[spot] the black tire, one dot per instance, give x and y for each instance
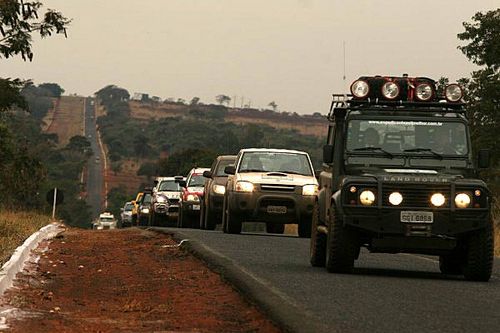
(210, 219)
(275, 228)
(154, 219)
(181, 223)
(201, 222)
(233, 222)
(304, 228)
(479, 257)
(451, 264)
(317, 253)
(342, 246)
(224, 215)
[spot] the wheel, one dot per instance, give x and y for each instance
(210, 221)
(233, 222)
(342, 246)
(153, 220)
(224, 215)
(317, 253)
(451, 264)
(180, 219)
(134, 220)
(479, 255)
(305, 228)
(274, 228)
(201, 223)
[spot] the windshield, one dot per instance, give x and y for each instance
(275, 162)
(196, 180)
(128, 206)
(107, 219)
(220, 168)
(146, 199)
(169, 185)
(407, 137)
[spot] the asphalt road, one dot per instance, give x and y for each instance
(94, 175)
(386, 293)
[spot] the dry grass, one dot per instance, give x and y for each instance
(15, 228)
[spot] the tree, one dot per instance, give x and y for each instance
(483, 88)
(195, 101)
(223, 99)
(54, 88)
(273, 105)
(10, 94)
(79, 143)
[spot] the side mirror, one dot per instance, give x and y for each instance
(483, 158)
(182, 183)
(155, 182)
(121, 210)
(207, 174)
(230, 170)
(328, 154)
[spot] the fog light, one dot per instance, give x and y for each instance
(395, 198)
(477, 193)
(367, 198)
(462, 200)
(390, 90)
(353, 189)
(437, 199)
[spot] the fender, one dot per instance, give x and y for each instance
(336, 202)
(322, 202)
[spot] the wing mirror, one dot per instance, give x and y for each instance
(207, 174)
(230, 170)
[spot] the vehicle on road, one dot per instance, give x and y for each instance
(105, 221)
(191, 192)
(213, 196)
(399, 175)
(135, 209)
(126, 215)
(165, 200)
(275, 186)
(144, 210)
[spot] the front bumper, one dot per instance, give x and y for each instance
(216, 203)
(191, 207)
(255, 206)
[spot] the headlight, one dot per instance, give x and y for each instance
(390, 90)
(145, 210)
(243, 186)
(219, 189)
(161, 199)
(360, 89)
(462, 200)
(437, 199)
(453, 93)
(192, 197)
(367, 198)
(310, 190)
(424, 92)
(395, 198)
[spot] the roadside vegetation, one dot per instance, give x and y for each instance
(15, 227)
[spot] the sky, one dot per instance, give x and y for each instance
(287, 51)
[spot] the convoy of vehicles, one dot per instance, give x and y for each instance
(190, 202)
(399, 175)
(275, 186)
(215, 187)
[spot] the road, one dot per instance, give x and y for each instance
(386, 293)
(94, 179)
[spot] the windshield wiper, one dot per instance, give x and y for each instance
(252, 170)
(375, 149)
(418, 150)
(277, 173)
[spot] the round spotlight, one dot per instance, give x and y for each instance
(367, 198)
(462, 200)
(395, 198)
(424, 92)
(390, 90)
(453, 92)
(353, 189)
(360, 89)
(437, 199)
(477, 193)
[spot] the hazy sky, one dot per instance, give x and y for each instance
(289, 51)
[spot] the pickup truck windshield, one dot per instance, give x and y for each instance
(437, 138)
(196, 181)
(169, 185)
(275, 162)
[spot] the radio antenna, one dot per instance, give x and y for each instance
(343, 42)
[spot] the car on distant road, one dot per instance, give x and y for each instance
(275, 186)
(190, 202)
(105, 221)
(165, 200)
(215, 187)
(126, 214)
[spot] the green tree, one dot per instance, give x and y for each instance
(55, 89)
(223, 99)
(273, 105)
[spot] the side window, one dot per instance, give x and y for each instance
(214, 166)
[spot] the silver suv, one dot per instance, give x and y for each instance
(165, 201)
(275, 186)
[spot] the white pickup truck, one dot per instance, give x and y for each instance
(105, 221)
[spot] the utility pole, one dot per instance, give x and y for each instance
(54, 204)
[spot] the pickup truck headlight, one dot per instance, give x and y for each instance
(438, 199)
(192, 197)
(161, 199)
(243, 186)
(145, 210)
(219, 189)
(367, 198)
(310, 189)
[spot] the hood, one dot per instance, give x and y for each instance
(273, 178)
(170, 194)
(196, 190)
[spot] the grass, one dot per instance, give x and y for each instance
(15, 227)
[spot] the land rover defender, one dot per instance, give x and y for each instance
(399, 175)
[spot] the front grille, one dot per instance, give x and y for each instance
(277, 202)
(416, 195)
(277, 187)
(174, 201)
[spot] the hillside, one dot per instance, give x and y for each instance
(65, 119)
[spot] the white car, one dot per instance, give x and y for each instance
(165, 201)
(105, 221)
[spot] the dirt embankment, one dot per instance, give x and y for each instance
(66, 119)
(126, 177)
(126, 281)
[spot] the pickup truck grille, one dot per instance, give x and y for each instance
(416, 195)
(277, 187)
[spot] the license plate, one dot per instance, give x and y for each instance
(196, 207)
(417, 217)
(276, 209)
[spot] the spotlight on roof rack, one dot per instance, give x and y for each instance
(453, 93)
(360, 89)
(390, 90)
(424, 92)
